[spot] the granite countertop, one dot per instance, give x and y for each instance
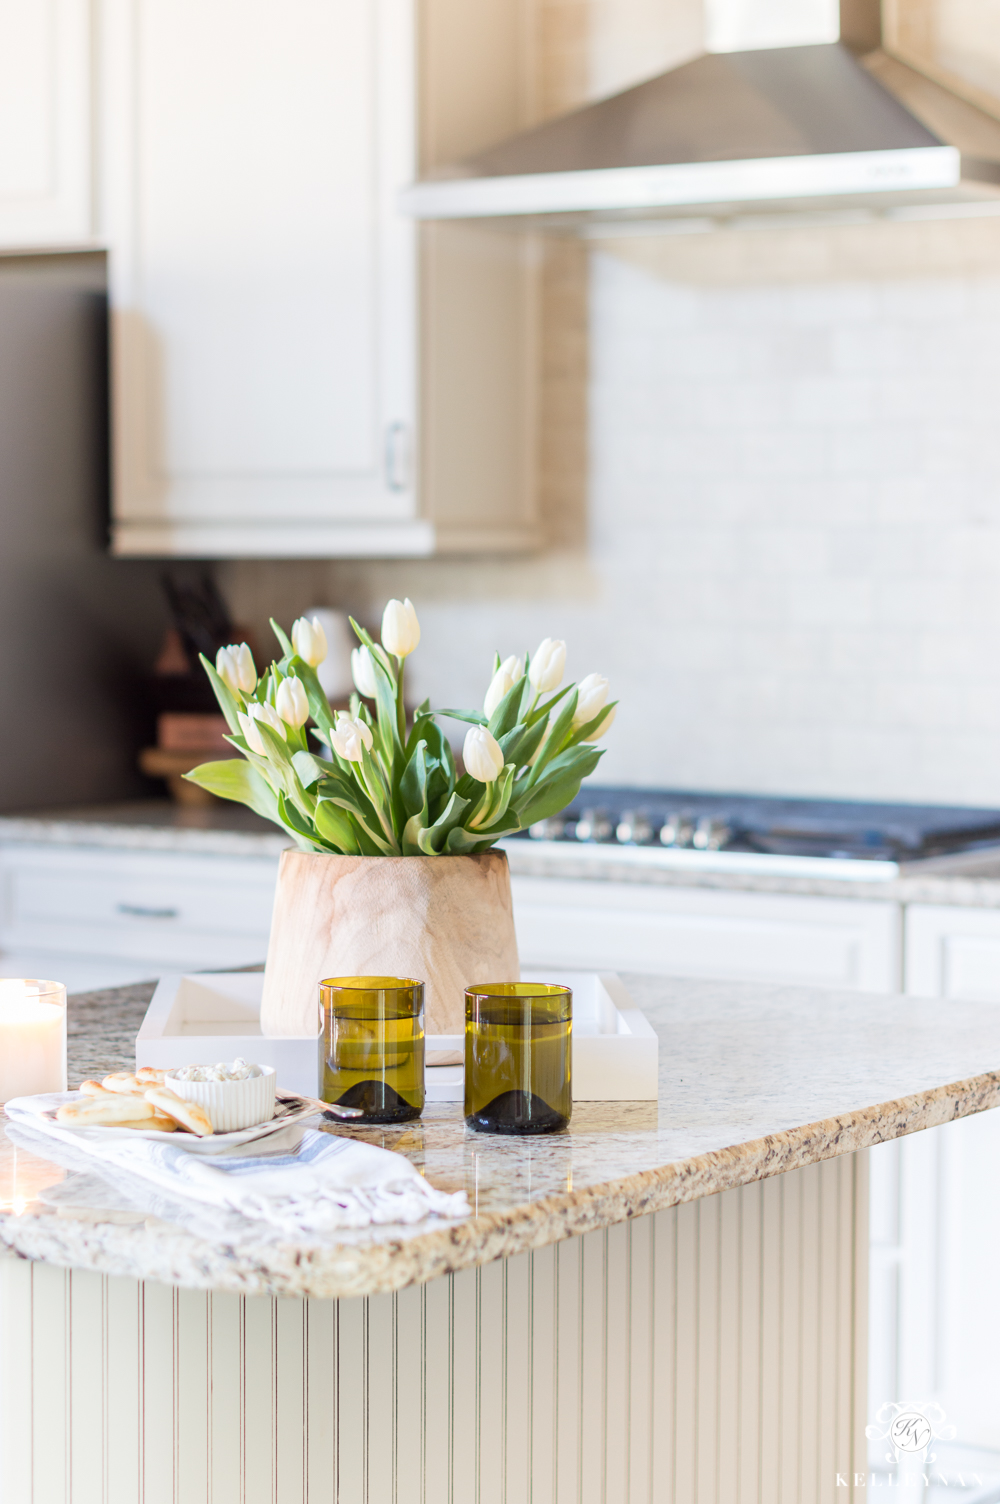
(754, 1080)
(151, 825)
(230, 830)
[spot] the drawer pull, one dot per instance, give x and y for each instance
(139, 911)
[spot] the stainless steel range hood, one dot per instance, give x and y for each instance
(828, 127)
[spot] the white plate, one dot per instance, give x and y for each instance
(288, 1108)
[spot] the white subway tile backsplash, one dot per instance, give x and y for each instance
(825, 525)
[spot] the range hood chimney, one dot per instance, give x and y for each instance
(835, 126)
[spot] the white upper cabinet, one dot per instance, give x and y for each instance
(45, 135)
(263, 284)
(297, 371)
(267, 293)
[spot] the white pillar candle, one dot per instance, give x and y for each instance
(32, 1038)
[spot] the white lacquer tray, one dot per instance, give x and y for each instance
(203, 1017)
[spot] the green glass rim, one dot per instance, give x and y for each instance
(519, 990)
(371, 984)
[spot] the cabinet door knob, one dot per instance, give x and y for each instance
(397, 456)
(140, 911)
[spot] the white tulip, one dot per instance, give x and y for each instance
(251, 735)
(309, 640)
(482, 755)
(500, 684)
(363, 672)
(292, 702)
(595, 736)
(351, 738)
(235, 667)
(514, 667)
(400, 628)
(507, 675)
(248, 725)
(547, 665)
(591, 696)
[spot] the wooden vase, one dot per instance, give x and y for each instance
(445, 920)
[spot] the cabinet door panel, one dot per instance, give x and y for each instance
(953, 952)
(262, 280)
(45, 139)
(947, 1253)
(257, 231)
(710, 933)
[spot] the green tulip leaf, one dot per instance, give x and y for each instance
(413, 784)
(235, 779)
(560, 729)
(334, 825)
(309, 768)
(227, 700)
(475, 717)
(508, 712)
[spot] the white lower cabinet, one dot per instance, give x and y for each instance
(113, 915)
(948, 1299)
(708, 932)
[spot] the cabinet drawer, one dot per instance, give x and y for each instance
(135, 904)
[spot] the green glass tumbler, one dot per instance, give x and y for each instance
(373, 1056)
(518, 1055)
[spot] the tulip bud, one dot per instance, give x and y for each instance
(248, 725)
(591, 695)
(499, 686)
(507, 675)
(400, 628)
(251, 735)
(292, 702)
(235, 667)
(547, 665)
(482, 755)
(351, 738)
(605, 724)
(309, 640)
(363, 672)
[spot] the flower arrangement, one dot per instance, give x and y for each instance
(381, 787)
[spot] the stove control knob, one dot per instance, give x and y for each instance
(710, 835)
(552, 829)
(676, 830)
(634, 829)
(594, 825)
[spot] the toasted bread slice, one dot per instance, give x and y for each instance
(124, 1081)
(188, 1114)
(110, 1107)
(159, 1121)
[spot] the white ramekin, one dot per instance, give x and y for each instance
(231, 1105)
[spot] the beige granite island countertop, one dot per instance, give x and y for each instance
(754, 1080)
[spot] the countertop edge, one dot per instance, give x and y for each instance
(152, 1253)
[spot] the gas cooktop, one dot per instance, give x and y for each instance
(741, 825)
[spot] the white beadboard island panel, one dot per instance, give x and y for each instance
(712, 1353)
